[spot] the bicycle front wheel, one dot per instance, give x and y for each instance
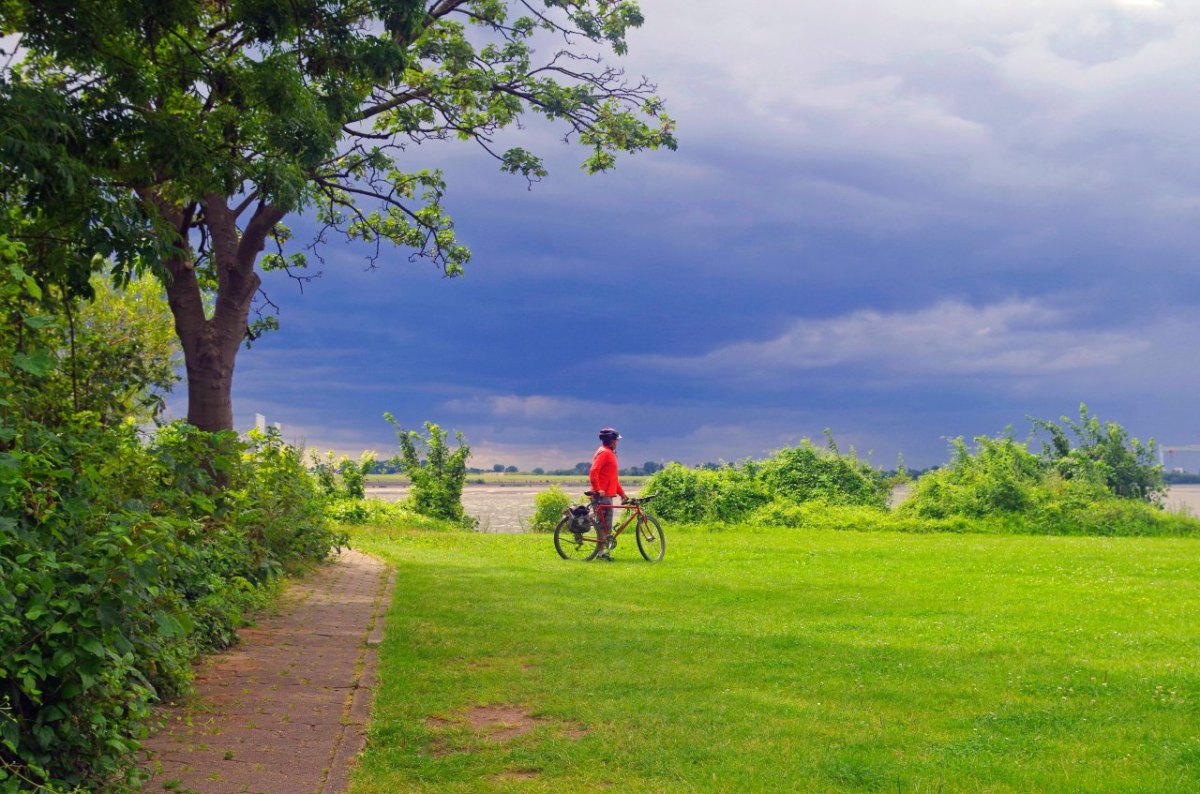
(651, 542)
(576, 545)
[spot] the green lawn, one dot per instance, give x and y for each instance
(792, 661)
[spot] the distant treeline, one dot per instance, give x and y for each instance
(393, 466)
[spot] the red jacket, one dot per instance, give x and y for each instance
(604, 472)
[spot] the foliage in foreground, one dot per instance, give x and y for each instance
(119, 563)
(120, 558)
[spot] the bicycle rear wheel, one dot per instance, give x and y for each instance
(651, 542)
(576, 545)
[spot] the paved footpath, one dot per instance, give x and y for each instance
(286, 710)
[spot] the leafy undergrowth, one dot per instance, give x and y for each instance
(348, 513)
(790, 660)
(1098, 516)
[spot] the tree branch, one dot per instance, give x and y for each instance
(240, 208)
(395, 102)
(445, 7)
(265, 217)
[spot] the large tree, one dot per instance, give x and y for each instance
(176, 135)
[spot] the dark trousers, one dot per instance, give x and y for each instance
(606, 516)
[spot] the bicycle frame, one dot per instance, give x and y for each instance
(635, 507)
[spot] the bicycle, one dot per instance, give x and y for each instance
(577, 536)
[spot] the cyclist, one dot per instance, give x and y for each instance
(605, 485)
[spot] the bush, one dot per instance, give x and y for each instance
(345, 478)
(799, 474)
(280, 504)
(726, 494)
(1104, 453)
(119, 560)
(119, 563)
(794, 475)
(437, 477)
(548, 507)
(85, 619)
(1002, 487)
(1107, 517)
(999, 477)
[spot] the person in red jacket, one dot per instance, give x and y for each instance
(605, 485)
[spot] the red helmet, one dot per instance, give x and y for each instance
(609, 434)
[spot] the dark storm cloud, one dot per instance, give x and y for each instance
(903, 221)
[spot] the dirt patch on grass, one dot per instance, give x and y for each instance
(516, 774)
(574, 730)
(494, 723)
(501, 723)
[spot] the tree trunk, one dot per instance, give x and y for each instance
(210, 345)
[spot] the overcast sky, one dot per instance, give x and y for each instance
(902, 221)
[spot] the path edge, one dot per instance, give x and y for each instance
(356, 714)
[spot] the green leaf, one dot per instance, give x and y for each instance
(32, 288)
(40, 321)
(38, 363)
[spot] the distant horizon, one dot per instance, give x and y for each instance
(1163, 457)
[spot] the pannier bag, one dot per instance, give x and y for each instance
(580, 522)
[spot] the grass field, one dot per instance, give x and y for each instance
(790, 661)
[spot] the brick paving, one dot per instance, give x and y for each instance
(285, 712)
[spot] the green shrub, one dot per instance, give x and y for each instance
(728, 494)
(438, 475)
(793, 475)
(1104, 453)
(119, 560)
(86, 622)
(280, 504)
(548, 507)
(803, 473)
(344, 479)
(1001, 475)
(354, 474)
(1002, 487)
